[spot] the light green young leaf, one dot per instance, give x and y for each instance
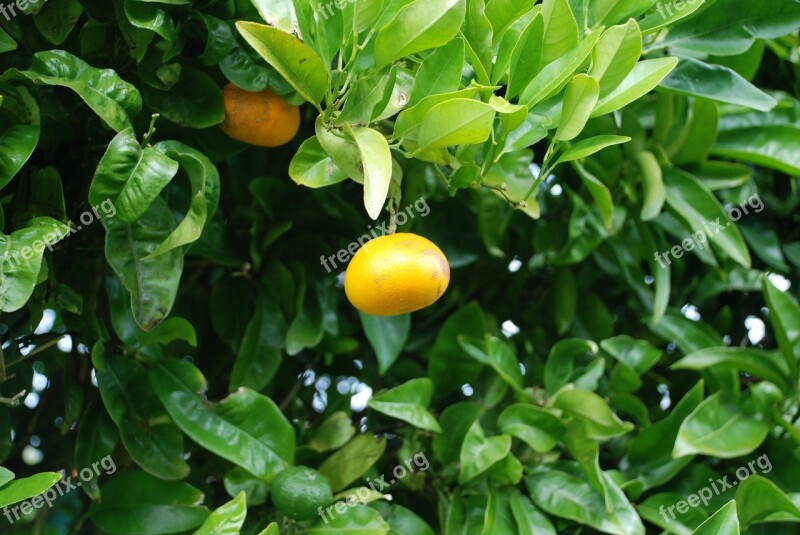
(376, 160)
(579, 101)
(418, 26)
(615, 55)
(526, 58)
(760, 500)
(723, 522)
(654, 192)
(458, 121)
(227, 519)
(440, 72)
(560, 29)
(353, 460)
(503, 13)
(408, 402)
(312, 167)
(644, 77)
(22, 489)
(479, 452)
(587, 147)
(296, 62)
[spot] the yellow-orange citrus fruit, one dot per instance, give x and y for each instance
(396, 274)
(264, 119)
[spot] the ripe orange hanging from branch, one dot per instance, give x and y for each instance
(396, 274)
(264, 119)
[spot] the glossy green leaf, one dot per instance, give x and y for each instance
(719, 428)
(387, 336)
(131, 177)
(526, 57)
(246, 428)
(440, 72)
(57, 18)
(22, 489)
(776, 147)
(615, 55)
(496, 354)
(333, 433)
(359, 519)
(408, 402)
(643, 78)
(715, 82)
(21, 260)
(458, 121)
(17, 144)
(418, 26)
(560, 29)
(479, 452)
(502, 13)
(296, 62)
(586, 147)
(376, 160)
(227, 519)
(723, 522)
(760, 500)
(579, 101)
(762, 364)
(529, 519)
(536, 427)
(133, 405)
(600, 422)
(312, 167)
(113, 99)
(136, 502)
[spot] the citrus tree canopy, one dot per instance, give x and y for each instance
(399, 267)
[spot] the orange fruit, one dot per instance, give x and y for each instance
(396, 274)
(264, 119)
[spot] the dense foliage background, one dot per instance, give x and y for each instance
(571, 380)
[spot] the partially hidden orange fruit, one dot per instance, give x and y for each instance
(396, 274)
(264, 119)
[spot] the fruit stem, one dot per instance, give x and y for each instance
(151, 130)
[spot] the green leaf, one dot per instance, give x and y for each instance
(599, 192)
(376, 159)
(586, 147)
(695, 204)
(259, 356)
(152, 282)
(668, 14)
(702, 133)
(227, 519)
(496, 354)
(151, 16)
(775, 147)
(367, 98)
(130, 177)
(719, 428)
(418, 26)
(760, 500)
(278, 13)
(7, 43)
(715, 82)
(725, 30)
(111, 98)
(785, 320)
(333, 433)
(440, 72)
(352, 461)
(455, 421)
(296, 62)
(526, 57)
(579, 101)
(616, 55)
(611, 11)
(600, 422)
(408, 402)
(564, 495)
(479, 452)
(446, 365)
(560, 29)
(22, 489)
(723, 522)
(552, 78)
(538, 428)
(57, 18)
(458, 121)
(412, 118)
(21, 260)
(136, 502)
(246, 428)
(643, 78)
(503, 13)
(387, 335)
(204, 182)
(529, 519)
(312, 167)
(306, 329)
(763, 364)
(17, 144)
(97, 438)
(358, 520)
(132, 404)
